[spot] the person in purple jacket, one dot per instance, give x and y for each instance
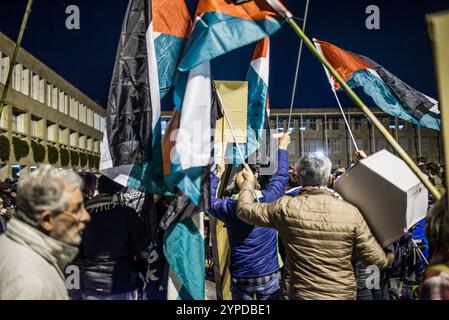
(254, 255)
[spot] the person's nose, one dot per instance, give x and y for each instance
(85, 216)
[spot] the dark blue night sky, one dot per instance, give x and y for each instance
(85, 57)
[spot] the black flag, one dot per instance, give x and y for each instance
(129, 112)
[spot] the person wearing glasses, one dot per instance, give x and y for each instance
(42, 238)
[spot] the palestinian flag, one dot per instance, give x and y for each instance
(388, 92)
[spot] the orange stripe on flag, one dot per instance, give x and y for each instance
(253, 10)
(169, 141)
(343, 61)
(261, 49)
(171, 17)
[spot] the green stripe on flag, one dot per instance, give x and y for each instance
(184, 250)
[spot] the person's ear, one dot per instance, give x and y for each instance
(45, 221)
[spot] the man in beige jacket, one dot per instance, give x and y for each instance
(44, 236)
(321, 232)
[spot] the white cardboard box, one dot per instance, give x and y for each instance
(389, 195)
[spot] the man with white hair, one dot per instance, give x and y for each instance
(321, 233)
(43, 237)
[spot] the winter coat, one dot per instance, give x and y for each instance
(321, 233)
(32, 264)
(113, 249)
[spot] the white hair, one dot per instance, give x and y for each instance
(314, 170)
(45, 189)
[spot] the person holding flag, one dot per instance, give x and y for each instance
(254, 257)
(322, 233)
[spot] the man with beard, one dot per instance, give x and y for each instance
(43, 237)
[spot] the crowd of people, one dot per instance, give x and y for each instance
(60, 218)
(292, 237)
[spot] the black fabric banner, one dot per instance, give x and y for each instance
(129, 112)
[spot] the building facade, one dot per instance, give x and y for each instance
(45, 114)
(324, 130)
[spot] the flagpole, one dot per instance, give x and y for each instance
(297, 66)
(222, 141)
(437, 27)
(346, 121)
(14, 55)
(394, 144)
(242, 158)
(332, 84)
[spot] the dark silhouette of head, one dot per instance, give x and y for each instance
(108, 186)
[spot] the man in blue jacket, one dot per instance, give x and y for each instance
(254, 255)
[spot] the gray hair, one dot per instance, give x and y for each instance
(44, 189)
(313, 170)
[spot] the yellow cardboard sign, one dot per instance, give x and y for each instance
(438, 27)
(234, 96)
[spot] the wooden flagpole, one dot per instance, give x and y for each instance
(438, 27)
